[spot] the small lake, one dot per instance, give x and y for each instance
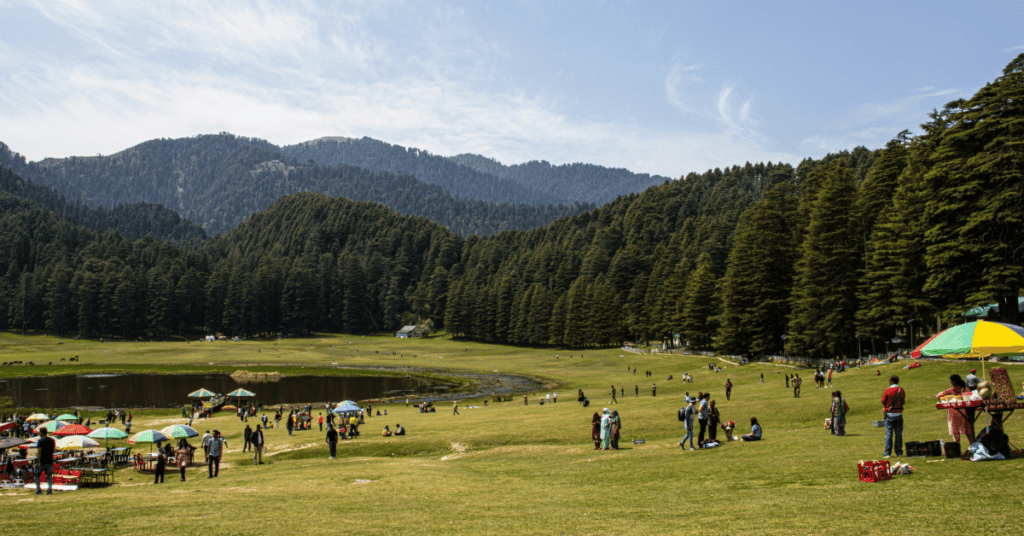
(171, 390)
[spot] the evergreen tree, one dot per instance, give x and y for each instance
(697, 323)
(824, 294)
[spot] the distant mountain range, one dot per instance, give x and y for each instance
(217, 181)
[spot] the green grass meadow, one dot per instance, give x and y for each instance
(514, 469)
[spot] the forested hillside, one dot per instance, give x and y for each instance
(856, 247)
(220, 180)
(462, 181)
(134, 220)
(581, 182)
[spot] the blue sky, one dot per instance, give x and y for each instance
(657, 87)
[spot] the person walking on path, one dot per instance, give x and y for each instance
(839, 410)
(796, 381)
(217, 444)
(688, 423)
(892, 400)
(181, 456)
(258, 441)
(247, 435)
(332, 440)
(606, 429)
(44, 461)
(728, 389)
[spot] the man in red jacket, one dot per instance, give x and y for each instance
(893, 400)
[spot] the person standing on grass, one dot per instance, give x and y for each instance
(702, 417)
(796, 381)
(688, 423)
(290, 424)
(839, 410)
(320, 419)
(161, 465)
(713, 419)
(972, 385)
(247, 435)
(762, 378)
(554, 399)
(654, 389)
(892, 400)
(44, 461)
(636, 391)
(616, 428)
(595, 430)
(456, 411)
(217, 444)
(258, 440)
(579, 397)
(614, 401)
(728, 388)
(181, 456)
(606, 429)
(787, 380)
(332, 440)
(830, 377)
(955, 420)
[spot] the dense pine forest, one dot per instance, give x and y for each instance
(858, 245)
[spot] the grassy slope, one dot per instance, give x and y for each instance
(532, 470)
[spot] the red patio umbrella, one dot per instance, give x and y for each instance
(72, 429)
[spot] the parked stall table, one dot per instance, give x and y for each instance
(999, 410)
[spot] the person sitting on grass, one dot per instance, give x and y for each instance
(399, 430)
(386, 432)
(755, 431)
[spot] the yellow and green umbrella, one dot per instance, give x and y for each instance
(38, 417)
(76, 442)
(51, 426)
(107, 433)
(67, 417)
(179, 431)
(974, 340)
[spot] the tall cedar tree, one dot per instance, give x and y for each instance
(975, 208)
(824, 297)
(759, 278)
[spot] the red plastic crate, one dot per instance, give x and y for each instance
(874, 471)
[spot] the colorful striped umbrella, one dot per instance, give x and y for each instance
(51, 426)
(148, 436)
(67, 417)
(241, 393)
(201, 393)
(76, 442)
(974, 340)
(178, 431)
(72, 429)
(107, 433)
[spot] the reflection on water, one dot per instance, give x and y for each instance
(171, 390)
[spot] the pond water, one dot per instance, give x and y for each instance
(171, 390)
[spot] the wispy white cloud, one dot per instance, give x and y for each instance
(677, 77)
(1013, 49)
(132, 71)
